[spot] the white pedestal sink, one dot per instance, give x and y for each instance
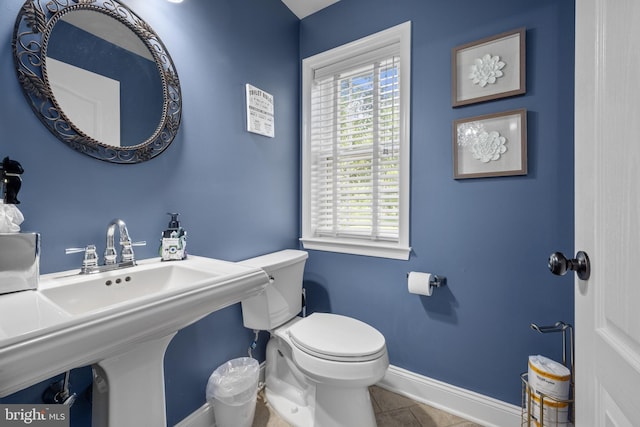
(121, 322)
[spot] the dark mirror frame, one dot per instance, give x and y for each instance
(32, 30)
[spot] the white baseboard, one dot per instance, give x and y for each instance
(201, 417)
(470, 405)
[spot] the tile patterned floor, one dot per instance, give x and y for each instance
(392, 410)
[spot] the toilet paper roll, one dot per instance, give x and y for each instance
(555, 413)
(418, 283)
(549, 377)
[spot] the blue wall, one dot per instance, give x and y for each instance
(237, 192)
(490, 237)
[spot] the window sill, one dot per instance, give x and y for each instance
(358, 247)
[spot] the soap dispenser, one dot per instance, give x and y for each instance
(174, 241)
(10, 181)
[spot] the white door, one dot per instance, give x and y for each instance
(607, 212)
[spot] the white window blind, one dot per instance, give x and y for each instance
(355, 157)
(355, 150)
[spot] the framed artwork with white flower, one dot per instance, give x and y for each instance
(490, 145)
(488, 69)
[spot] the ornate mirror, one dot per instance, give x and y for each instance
(98, 77)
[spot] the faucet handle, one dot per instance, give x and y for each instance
(90, 255)
(127, 250)
(110, 255)
(74, 250)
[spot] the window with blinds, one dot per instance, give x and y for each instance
(355, 154)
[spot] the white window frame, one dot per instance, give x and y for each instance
(399, 35)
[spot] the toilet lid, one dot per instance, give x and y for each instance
(336, 337)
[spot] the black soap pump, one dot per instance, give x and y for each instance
(10, 171)
(173, 245)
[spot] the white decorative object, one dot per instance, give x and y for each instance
(486, 70)
(488, 146)
(468, 133)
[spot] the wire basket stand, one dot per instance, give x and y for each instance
(539, 409)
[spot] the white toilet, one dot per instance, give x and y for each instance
(319, 367)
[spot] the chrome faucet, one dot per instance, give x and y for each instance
(110, 253)
(111, 262)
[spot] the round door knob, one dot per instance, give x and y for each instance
(559, 264)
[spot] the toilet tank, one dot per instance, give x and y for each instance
(282, 298)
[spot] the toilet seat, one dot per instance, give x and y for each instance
(338, 338)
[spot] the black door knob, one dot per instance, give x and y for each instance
(559, 264)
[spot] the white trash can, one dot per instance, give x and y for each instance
(232, 391)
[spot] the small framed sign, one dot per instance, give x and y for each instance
(260, 117)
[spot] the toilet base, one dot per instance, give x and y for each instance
(331, 410)
(291, 412)
(357, 412)
(304, 402)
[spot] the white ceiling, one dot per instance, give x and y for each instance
(303, 8)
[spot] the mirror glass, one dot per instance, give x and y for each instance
(98, 77)
(104, 78)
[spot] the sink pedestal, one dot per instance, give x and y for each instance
(128, 388)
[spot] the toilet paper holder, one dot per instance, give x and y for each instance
(543, 410)
(436, 281)
(562, 327)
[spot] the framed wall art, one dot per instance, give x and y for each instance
(490, 145)
(488, 69)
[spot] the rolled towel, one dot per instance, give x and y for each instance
(10, 218)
